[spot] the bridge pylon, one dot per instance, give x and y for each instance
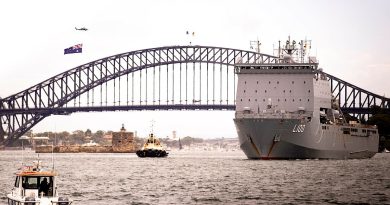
(2, 134)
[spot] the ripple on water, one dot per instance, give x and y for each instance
(205, 199)
(211, 178)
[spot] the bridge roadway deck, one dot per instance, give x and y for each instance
(69, 110)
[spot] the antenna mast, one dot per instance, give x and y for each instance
(52, 155)
(152, 121)
(255, 45)
(22, 154)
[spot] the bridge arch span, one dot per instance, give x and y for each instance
(21, 111)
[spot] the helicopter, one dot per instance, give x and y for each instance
(81, 29)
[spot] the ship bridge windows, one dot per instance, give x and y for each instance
(42, 183)
(346, 130)
(371, 131)
(17, 181)
(30, 182)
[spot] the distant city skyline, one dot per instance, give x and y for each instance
(350, 39)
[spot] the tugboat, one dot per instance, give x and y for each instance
(152, 148)
(35, 185)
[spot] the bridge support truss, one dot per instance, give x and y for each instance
(164, 78)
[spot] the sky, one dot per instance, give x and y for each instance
(350, 39)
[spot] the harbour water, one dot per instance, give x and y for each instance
(208, 177)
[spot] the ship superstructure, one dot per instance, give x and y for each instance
(285, 110)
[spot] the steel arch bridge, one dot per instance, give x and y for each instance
(163, 78)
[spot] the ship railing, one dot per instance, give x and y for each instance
(358, 125)
(278, 66)
(276, 115)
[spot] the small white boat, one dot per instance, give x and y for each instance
(35, 185)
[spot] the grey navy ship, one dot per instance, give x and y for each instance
(285, 110)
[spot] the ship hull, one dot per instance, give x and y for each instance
(151, 153)
(265, 138)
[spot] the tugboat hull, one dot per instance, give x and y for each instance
(152, 153)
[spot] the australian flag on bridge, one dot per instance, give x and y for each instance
(74, 49)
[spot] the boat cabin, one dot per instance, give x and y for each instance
(35, 186)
